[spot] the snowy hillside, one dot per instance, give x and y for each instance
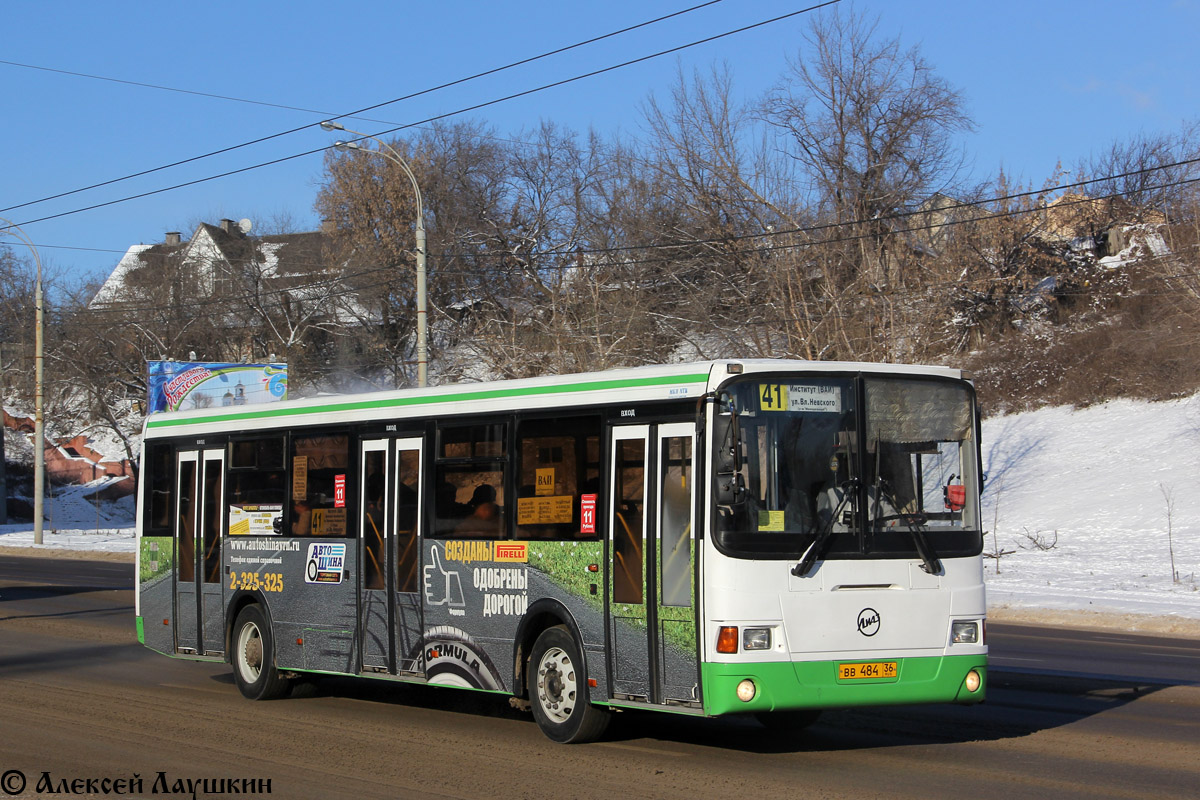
(1098, 478)
(1089, 484)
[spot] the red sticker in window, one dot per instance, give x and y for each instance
(339, 491)
(587, 513)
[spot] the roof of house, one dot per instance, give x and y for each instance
(285, 257)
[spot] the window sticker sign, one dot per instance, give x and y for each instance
(339, 491)
(545, 482)
(255, 519)
(326, 563)
(299, 477)
(803, 398)
(544, 510)
(587, 513)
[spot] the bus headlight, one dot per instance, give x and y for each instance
(746, 690)
(756, 639)
(964, 633)
(972, 682)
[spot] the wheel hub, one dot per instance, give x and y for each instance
(556, 685)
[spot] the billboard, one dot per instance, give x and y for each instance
(186, 385)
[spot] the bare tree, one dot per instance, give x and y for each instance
(873, 129)
(1148, 173)
(370, 205)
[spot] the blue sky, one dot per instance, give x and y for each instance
(1044, 81)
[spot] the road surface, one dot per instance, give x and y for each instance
(1069, 714)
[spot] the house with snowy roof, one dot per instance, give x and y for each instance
(294, 275)
(214, 258)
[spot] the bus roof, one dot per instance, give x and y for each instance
(629, 385)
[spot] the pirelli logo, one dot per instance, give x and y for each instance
(471, 551)
(512, 551)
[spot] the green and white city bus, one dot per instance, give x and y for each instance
(728, 537)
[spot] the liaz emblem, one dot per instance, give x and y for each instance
(868, 622)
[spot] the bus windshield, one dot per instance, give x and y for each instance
(876, 465)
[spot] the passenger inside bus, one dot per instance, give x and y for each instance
(301, 517)
(484, 517)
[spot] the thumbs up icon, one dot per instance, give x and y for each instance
(442, 588)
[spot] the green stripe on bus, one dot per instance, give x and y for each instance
(141, 631)
(267, 412)
(786, 685)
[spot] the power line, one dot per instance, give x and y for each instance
(834, 225)
(626, 263)
(435, 118)
(324, 114)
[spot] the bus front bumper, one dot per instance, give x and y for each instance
(788, 685)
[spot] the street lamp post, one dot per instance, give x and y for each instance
(389, 152)
(39, 432)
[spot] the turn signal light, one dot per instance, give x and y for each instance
(727, 639)
(973, 681)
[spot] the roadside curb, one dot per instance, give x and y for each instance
(44, 551)
(1184, 627)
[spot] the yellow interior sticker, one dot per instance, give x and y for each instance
(770, 520)
(545, 510)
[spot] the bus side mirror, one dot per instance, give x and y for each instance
(731, 489)
(726, 434)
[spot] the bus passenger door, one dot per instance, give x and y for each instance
(629, 625)
(407, 555)
(676, 656)
(390, 518)
(373, 558)
(197, 532)
(652, 620)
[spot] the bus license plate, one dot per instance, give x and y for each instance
(871, 669)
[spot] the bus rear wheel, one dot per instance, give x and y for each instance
(253, 657)
(558, 690)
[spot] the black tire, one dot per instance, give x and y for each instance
(252, 654)
(796, 720)
(304, 687)
(558, 690)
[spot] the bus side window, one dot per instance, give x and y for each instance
(469, 480)
(160, 489)
(320, 466)
(255, 483)
(558, 461)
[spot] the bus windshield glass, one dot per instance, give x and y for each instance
(877, 466)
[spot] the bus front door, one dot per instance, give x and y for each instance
(652, 620)
(390, 511)
(197, 533)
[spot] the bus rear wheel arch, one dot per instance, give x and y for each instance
(253, 656)
(557, 684)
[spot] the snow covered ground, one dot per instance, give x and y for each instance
(1092, 485)
(74, 523)
(1107, 481)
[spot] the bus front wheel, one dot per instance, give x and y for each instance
(558, 690)
(254, 657)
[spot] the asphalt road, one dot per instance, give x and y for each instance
(1069, 714)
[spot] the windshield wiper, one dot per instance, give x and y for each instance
(817, 549)
(929, 557)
